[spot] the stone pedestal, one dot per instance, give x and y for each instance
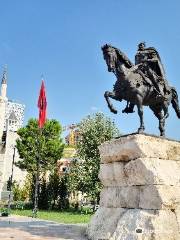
(140, 198)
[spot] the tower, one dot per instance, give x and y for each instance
(11, 119)
(3, 101)
(4, 84)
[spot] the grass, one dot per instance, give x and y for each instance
(57, 216)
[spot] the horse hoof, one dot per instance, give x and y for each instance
(162, 134)
(140, 130)
(114, 111)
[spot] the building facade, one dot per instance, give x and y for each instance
(73, 137)
(11, 119)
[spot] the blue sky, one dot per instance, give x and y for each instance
(63, 39)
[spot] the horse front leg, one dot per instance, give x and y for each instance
(112, 95)
(162, 118)
(140, 113)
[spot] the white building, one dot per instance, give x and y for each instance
(11, 119)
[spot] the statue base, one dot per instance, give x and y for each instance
(140, 198)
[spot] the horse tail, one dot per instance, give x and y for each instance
(175, 101)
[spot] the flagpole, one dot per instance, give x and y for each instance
(37, 177)
(42, 104)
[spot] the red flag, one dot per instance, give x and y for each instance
(42, 104)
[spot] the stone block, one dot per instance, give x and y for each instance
(133, 224)
(106, 174)
(119, 173)
(135, 146)
(141, 171)
(112, 174)
(159, 197)
(146, 197)
(148, 171)
(104, 222)
(120, 197)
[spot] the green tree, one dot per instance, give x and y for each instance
(53, 187)
(33, 144)
(63, 201)
(38, 149)
(58, 191)
(94, 130)
(44, 197)
(22, 193)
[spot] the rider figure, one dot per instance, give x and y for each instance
(150, 64)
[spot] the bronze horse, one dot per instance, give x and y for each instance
(133, 87)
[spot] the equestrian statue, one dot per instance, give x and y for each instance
(142, 84)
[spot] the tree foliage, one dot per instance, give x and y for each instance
(54, 193)
(46, 145)
(94, 130)
(24, 192)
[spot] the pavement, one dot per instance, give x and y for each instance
(26, 228)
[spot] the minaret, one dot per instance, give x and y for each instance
(3, 101)
(4, 85)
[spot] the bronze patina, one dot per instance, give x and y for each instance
(142, 84)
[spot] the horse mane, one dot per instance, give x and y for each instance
(123, 58)
(120, 54)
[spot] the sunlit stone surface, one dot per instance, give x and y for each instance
(141, 194)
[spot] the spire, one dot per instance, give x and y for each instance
(4, 77)
(4, 84)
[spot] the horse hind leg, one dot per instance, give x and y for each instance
(161, 117)
(166, 113)
(112, 95)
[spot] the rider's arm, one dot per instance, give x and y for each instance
(149, 60)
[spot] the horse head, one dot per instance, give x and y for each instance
(110, 56)
(115, 58)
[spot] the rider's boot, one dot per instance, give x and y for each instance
(129, 108)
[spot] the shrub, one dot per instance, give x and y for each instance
(4, 212)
